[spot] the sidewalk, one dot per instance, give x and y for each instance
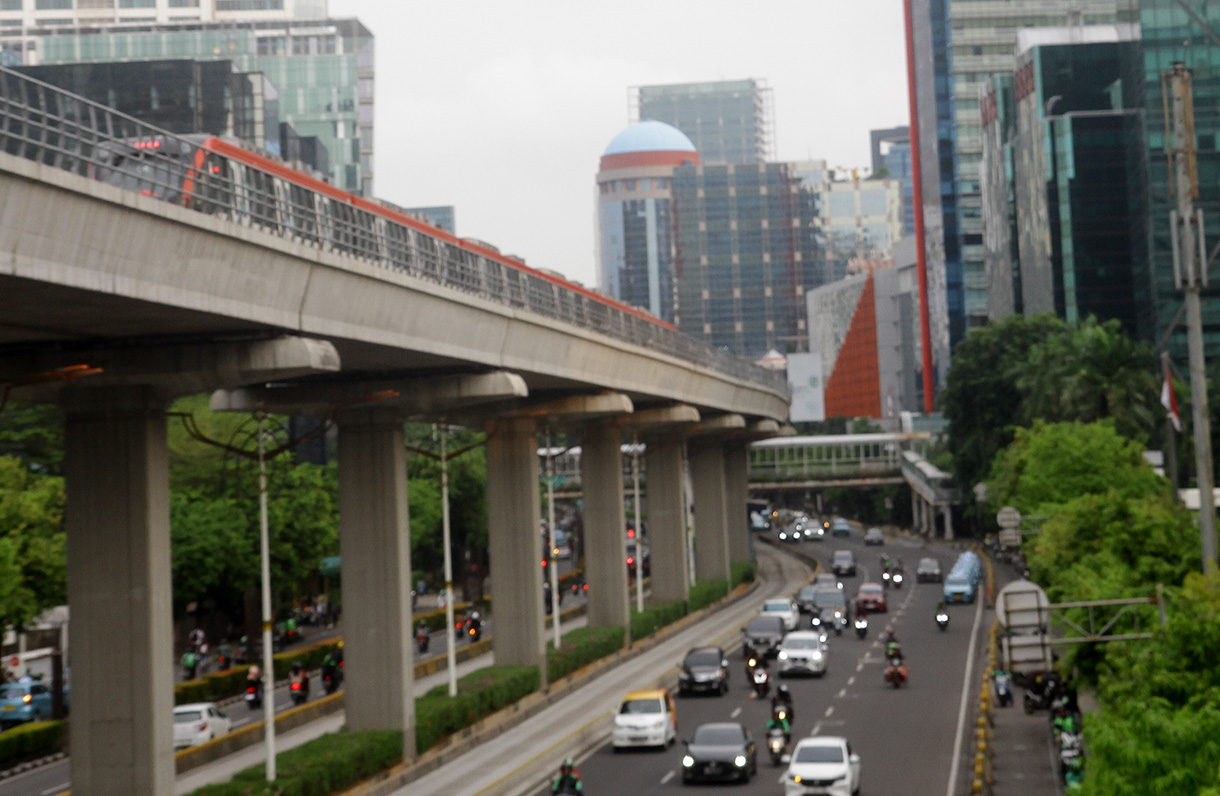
(1024, 762)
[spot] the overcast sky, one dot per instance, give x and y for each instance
(502, 109)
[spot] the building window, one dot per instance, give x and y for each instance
(184, 3)
(249, 5)
(137, 3)
(47, 5)
(10, 5)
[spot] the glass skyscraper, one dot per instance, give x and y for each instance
(322, 68)
(729, 121)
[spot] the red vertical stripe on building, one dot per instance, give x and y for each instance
(854, 386)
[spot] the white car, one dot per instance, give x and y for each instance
(646, 718)
(785, 609)
(823, 764)
(803, 651)
(199, 722)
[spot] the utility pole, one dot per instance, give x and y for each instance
(1190, 275)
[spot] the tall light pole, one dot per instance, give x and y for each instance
(265, 552)
(450, 641)
(1190, 274)
(550, 549)
(639, 535)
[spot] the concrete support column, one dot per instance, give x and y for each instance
(948, 512)
(601, 479)
(915, 523)
(116, 470)
(375, 545)
(711, 528)
(666, 521)
(737, 495)
(514, 543)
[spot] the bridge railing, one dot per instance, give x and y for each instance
(46, 124)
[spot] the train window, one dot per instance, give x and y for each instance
(302, 215)
(398, 245)
(260, 191)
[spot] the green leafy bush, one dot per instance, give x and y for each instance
(33, 739)
(581, 647)
(707, 592)
(480, 693)
(655, 617)
(743, 572)
(320, 767)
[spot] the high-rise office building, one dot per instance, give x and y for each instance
(1067, 127)
(635, 262)
(971, 41)
(729, 121)
(322, 68)
(891, 157)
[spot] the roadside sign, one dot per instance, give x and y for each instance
(1022, 605)
(1008, 517)
(1010, 537)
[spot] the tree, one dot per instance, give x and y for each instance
(33, 561)
(982, 400)
(1053, 463)
(33, 433)
(1093, 373)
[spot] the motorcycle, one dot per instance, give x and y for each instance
(942, 620)
(1003, 689)
(474, 627)
(254, 697)
(299, 689)
(896, 672)
(861, 627)
(896, 579)
(783, 712)
(777, 745)
(762, 682)
(422, 638)
(330, 682)
(885, 579)
(838, 621)
(1069, 751)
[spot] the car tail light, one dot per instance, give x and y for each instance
(201, 726)
(296, 686)
(630, 560)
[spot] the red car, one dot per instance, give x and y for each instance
(872, 597)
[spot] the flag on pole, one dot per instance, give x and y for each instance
(1169, 400)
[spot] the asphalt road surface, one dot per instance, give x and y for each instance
(904, 737)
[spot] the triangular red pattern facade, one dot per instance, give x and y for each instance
(854, 387)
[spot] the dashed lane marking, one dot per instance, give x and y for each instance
(851, 680)
(667, 777)
(842, 693)
(830, 711)
(735, 713)
(860, 666)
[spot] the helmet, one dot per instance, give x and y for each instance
(568, 764)
(296, 666)
(783, 689)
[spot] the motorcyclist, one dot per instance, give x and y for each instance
(782, 698)
(297, 674)
(774, 722)
(330, 670)
(422, 631)
(892, 648)
(254, 677)
(568, 780)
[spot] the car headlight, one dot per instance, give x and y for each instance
(688, 761)
(817, 655)
(796, 777)
(783, 656)
(739, 761)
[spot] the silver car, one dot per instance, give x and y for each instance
(803, 652)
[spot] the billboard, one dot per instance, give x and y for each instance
(805, 379)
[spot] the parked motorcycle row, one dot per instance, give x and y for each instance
(1048, 691)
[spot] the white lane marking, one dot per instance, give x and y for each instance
(842, 693)
(816, 728)
(851, 680)
(667, 777)
(961, 712)
(860, 666)
(830, 711)
(735, 713)
(57, 789)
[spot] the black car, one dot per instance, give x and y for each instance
(804, 599)
(704, 669)
(721, 751)
(830, 610)
(763, 635)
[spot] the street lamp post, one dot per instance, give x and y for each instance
(550, 526)
(639, 534)
(449, 627)
(265, 552)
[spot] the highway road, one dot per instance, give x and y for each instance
(905, 737)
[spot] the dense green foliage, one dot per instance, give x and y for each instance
(1009, 374)
(580, 647)
(654, 617)
(33, 567)
(706, 592)
(480, 693)
(743, 572)
(1110, 529)
(319, 767)
(30, 740)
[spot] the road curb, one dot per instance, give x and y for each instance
(465, 740)
(30, 765)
